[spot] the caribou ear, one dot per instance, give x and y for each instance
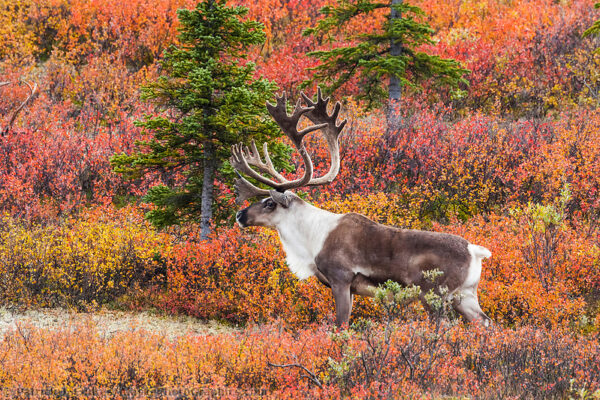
(284, 199)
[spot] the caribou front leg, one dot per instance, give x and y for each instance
(339, 277)
(342, 294)
(343, 303)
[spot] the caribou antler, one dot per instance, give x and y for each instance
(255, 160)
(12, 119)
(319, 115)
(243, 156)
(244, 190)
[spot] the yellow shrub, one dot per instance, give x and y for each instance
(80, 262)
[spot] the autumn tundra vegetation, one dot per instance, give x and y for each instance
(473, 118)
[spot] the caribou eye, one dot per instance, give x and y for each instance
(269, 204)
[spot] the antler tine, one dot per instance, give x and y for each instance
(239, 161)
(255, 160)
(320, 115)
(289, 123)
(244, 190)
(320, 100)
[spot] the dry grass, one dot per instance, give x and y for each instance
(107, 322)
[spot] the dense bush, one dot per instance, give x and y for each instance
(90, 60)
(442, 169)
(82, 262)
(478, 363)
(52, 171)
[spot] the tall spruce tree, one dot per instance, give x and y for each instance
(210, 100)
(385, 61)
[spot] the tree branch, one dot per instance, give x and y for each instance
(310, 375)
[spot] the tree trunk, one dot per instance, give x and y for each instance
(208, 182)
(395, 88)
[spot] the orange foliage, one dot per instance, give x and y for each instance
(81, 361)
(572, 156)
(519, 52)
(517, 290)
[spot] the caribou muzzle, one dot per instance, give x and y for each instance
(242, 218)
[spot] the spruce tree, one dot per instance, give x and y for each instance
(384, 61)
(595, 28)
(210, 100)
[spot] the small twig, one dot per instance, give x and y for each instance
(311, 376)
(5, 130)
(32, 90)
(408, 363)
(592, 91)
(25, 339)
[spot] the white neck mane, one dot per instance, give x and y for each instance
(303, 232)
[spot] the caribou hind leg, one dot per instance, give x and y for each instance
(468, 307)
(467, 304)
(363, 286)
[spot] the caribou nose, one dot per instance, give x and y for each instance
(241, 218)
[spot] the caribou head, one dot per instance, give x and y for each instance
(280, 200)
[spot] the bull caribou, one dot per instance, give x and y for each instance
(347, 252)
